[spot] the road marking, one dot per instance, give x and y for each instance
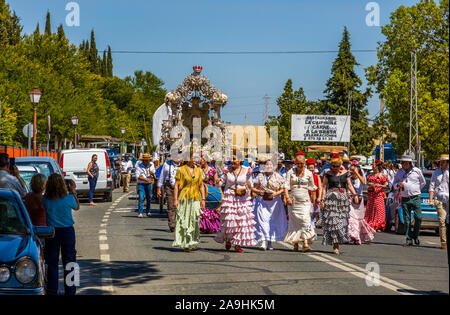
(104, 220)
(125, 209)
(102, 238)
(359, 272)
(102, 232)
(103, 225)
(105, 258)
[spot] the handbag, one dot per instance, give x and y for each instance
(267, 196)
(240, 192)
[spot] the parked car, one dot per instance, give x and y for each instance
(27, 172)
(429, 213)
(22, 269)
(46, 165)
(74, 165)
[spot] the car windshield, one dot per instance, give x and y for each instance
(27, 175)
(44, 167)
(10, 219)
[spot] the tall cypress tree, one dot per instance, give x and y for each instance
(61, 34)
(48, 27)
(109, 63)
(37, 31)
(344, 81)
(93, 55)
(104, 66)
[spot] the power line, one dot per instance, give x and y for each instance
(239, 52)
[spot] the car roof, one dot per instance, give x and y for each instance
(35, 159)
(83, 150)
(8, 194)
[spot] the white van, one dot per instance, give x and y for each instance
(74, 164)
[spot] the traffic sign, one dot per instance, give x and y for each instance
(28, 130)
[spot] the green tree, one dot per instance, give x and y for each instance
(290, 103)
(48, 25)
(424, 28)
(345, 82)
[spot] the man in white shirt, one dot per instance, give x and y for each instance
(167, 181)
(145, 174)
(439, 196)
(125, 169)
(410, 181)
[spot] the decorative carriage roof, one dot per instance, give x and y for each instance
(196, 85)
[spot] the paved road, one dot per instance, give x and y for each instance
(119, 254)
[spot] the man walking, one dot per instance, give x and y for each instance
(10, 178)
(439, 196)
(167, 180)
(410, 181)
(145, 172)
(125, 168)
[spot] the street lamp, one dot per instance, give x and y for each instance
(75, 124)
(123, 139)
(35, 97)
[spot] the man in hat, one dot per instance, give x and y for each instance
(439, 197)
(125, 169)
(145, 174)
(410, 181)
(287, 165)
(346, 163)
(167, 181)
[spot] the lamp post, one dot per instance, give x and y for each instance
(35, 97)
(75, 124)
(123, 139)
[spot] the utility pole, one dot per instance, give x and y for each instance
(382, 133)
(266, 108)
(349, 113)
(414, 144)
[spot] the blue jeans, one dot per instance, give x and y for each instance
(63, 241)
(92, 184)
(145, 192)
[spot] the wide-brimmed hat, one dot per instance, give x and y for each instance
(146, 156)
(443, 157)
(345, 159)
(354, 157)
(406, 158)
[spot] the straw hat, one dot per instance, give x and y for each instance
(146, 157)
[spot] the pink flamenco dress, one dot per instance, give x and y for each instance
(237, 217)
(359, 230)
(210, 218)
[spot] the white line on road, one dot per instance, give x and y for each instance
(102, 238)
(359, 272)
(102, 232)
(105, 258)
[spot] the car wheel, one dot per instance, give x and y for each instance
(108, 197)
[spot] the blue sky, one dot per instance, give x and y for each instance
(225, 25)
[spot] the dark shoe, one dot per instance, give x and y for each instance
(416, 241)
(172, 230)
(407, 244)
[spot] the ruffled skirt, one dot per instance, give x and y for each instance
(237, 220)
(334, 221)
(187, 229)
(271, 221)
(358, 228)
(210, 221)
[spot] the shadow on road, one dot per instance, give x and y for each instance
(123, 273)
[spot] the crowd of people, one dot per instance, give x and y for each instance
(263, 204)
(260, 203)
